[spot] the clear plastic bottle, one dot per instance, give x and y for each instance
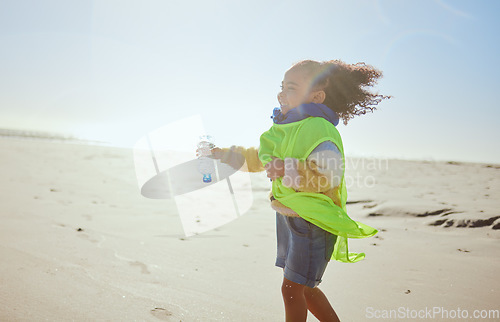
(206, 164)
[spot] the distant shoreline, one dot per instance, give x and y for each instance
(46, 136)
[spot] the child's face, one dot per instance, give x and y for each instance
(295, 89)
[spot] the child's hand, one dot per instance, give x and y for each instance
(275, 169)
(215, 153)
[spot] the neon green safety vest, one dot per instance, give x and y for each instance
(297, 140)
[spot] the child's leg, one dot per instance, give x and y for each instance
(319, 305)
(300, 298)
(294, 300)
(304, 251)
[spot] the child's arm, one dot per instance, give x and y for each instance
(321, 172)
(275, 169)
(236, 156)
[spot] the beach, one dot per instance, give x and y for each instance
(79, 242)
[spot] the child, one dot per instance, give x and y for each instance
(302, 154)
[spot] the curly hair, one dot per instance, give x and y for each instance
(345, 86)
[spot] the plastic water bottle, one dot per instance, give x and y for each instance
(206, 164)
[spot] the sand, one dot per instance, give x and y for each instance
(78, 242)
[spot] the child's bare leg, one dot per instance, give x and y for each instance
(295, 301)
(319, 305)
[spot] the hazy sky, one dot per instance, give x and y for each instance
(115, 70)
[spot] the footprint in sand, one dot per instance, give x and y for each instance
(161, 313)
(143, 267)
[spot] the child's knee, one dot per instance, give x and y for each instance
(289, 288)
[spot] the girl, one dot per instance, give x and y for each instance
(302, 154)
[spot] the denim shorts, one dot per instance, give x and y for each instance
(304, 249)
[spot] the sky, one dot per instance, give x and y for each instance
(116, 70)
